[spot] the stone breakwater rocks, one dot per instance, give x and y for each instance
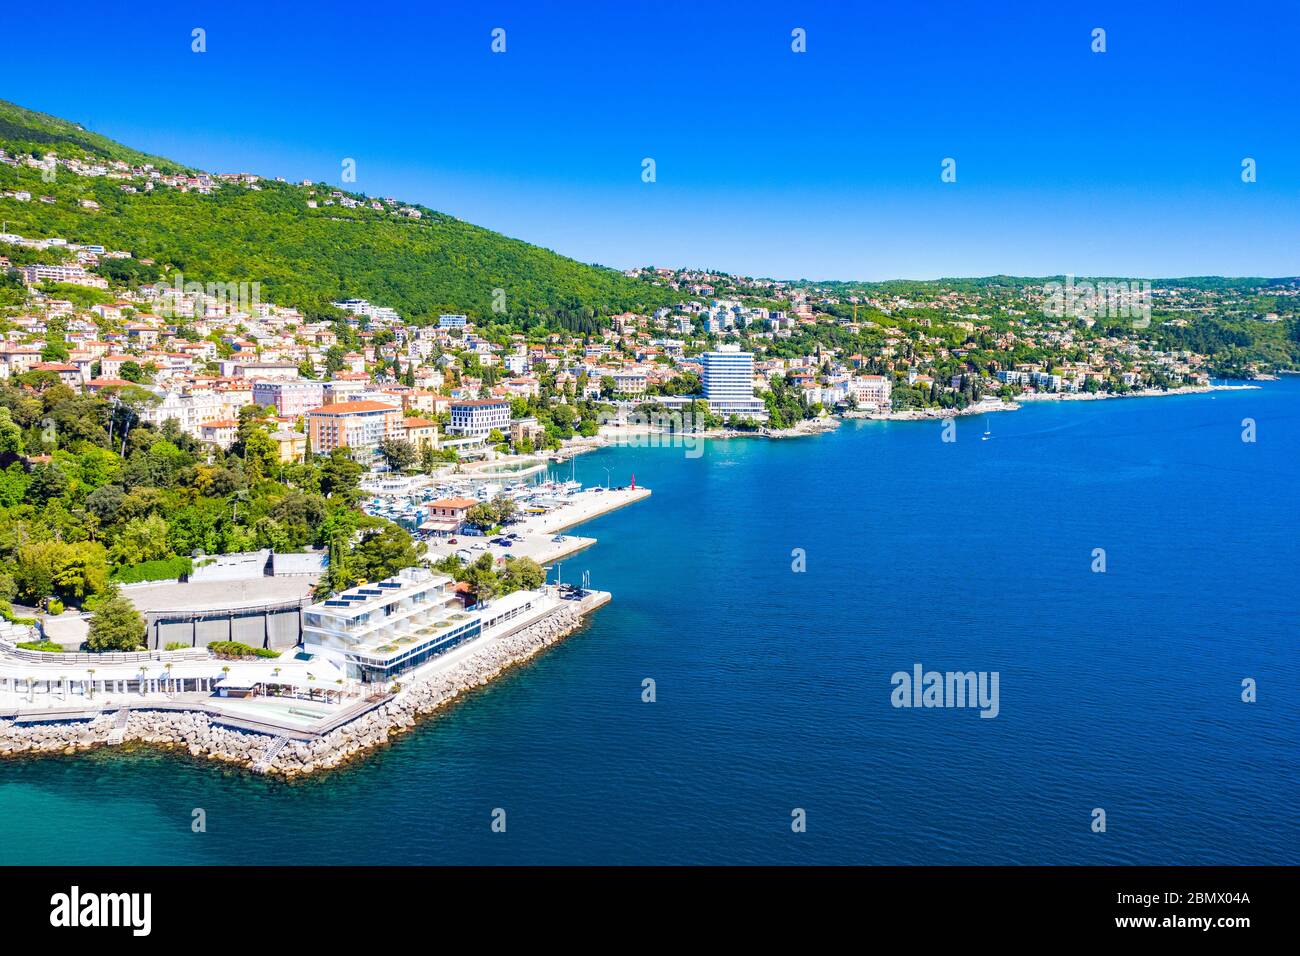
(195, 731)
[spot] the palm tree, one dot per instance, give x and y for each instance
(168, 668)
(91, 672)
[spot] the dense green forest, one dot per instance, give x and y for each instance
(307, 257)
(90, 497)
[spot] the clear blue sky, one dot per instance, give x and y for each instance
(819, 165)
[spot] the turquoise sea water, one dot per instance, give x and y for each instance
(1118, 690)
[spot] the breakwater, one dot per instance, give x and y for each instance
(197, 733)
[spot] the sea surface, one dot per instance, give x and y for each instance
(1118, 690)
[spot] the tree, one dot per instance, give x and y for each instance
(481, 515)
(398, 452)
(115, 626)
(521, 574)
(11, 435)
(254, 443)
(339, 475)
(505, 507)
(55, 350)
(141, 539)
(72, 571)
(34, 572)
(82, 572)
(382, 552)
(337, 577)
(482, 577)
(48, 481)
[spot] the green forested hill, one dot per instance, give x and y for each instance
(304, 257)
(31, 132)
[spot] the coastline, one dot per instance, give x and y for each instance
(202, 737)
(204, 734)
(615, 436)
(935, 414)
(1140, 393)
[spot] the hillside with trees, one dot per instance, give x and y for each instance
(305, 257)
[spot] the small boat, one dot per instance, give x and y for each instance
(987, 434)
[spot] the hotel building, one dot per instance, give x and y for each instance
(374, 632)
(289, 398)
(873, 390)
(728, 379)
(479, 417)
(358, 426)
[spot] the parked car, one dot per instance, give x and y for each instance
(558, 537)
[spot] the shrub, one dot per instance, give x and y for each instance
(55, 607)
(7, 613)
(115, 626)
(163, 569)
(176, 646)
(234, 649)
(41, 646)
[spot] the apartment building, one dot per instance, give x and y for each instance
(420, 432)
(73, 275)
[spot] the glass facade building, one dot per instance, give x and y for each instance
(377, 631)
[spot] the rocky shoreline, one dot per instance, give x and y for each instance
(1136, 393)
(200, 736)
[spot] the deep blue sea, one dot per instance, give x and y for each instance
(1118, 690)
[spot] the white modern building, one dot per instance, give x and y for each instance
(728, 378)
(374, 632)
(479, 417)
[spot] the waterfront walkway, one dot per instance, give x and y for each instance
(52, 692)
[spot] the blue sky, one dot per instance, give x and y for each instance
(824, 164)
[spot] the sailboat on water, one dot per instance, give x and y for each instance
(987, 434)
